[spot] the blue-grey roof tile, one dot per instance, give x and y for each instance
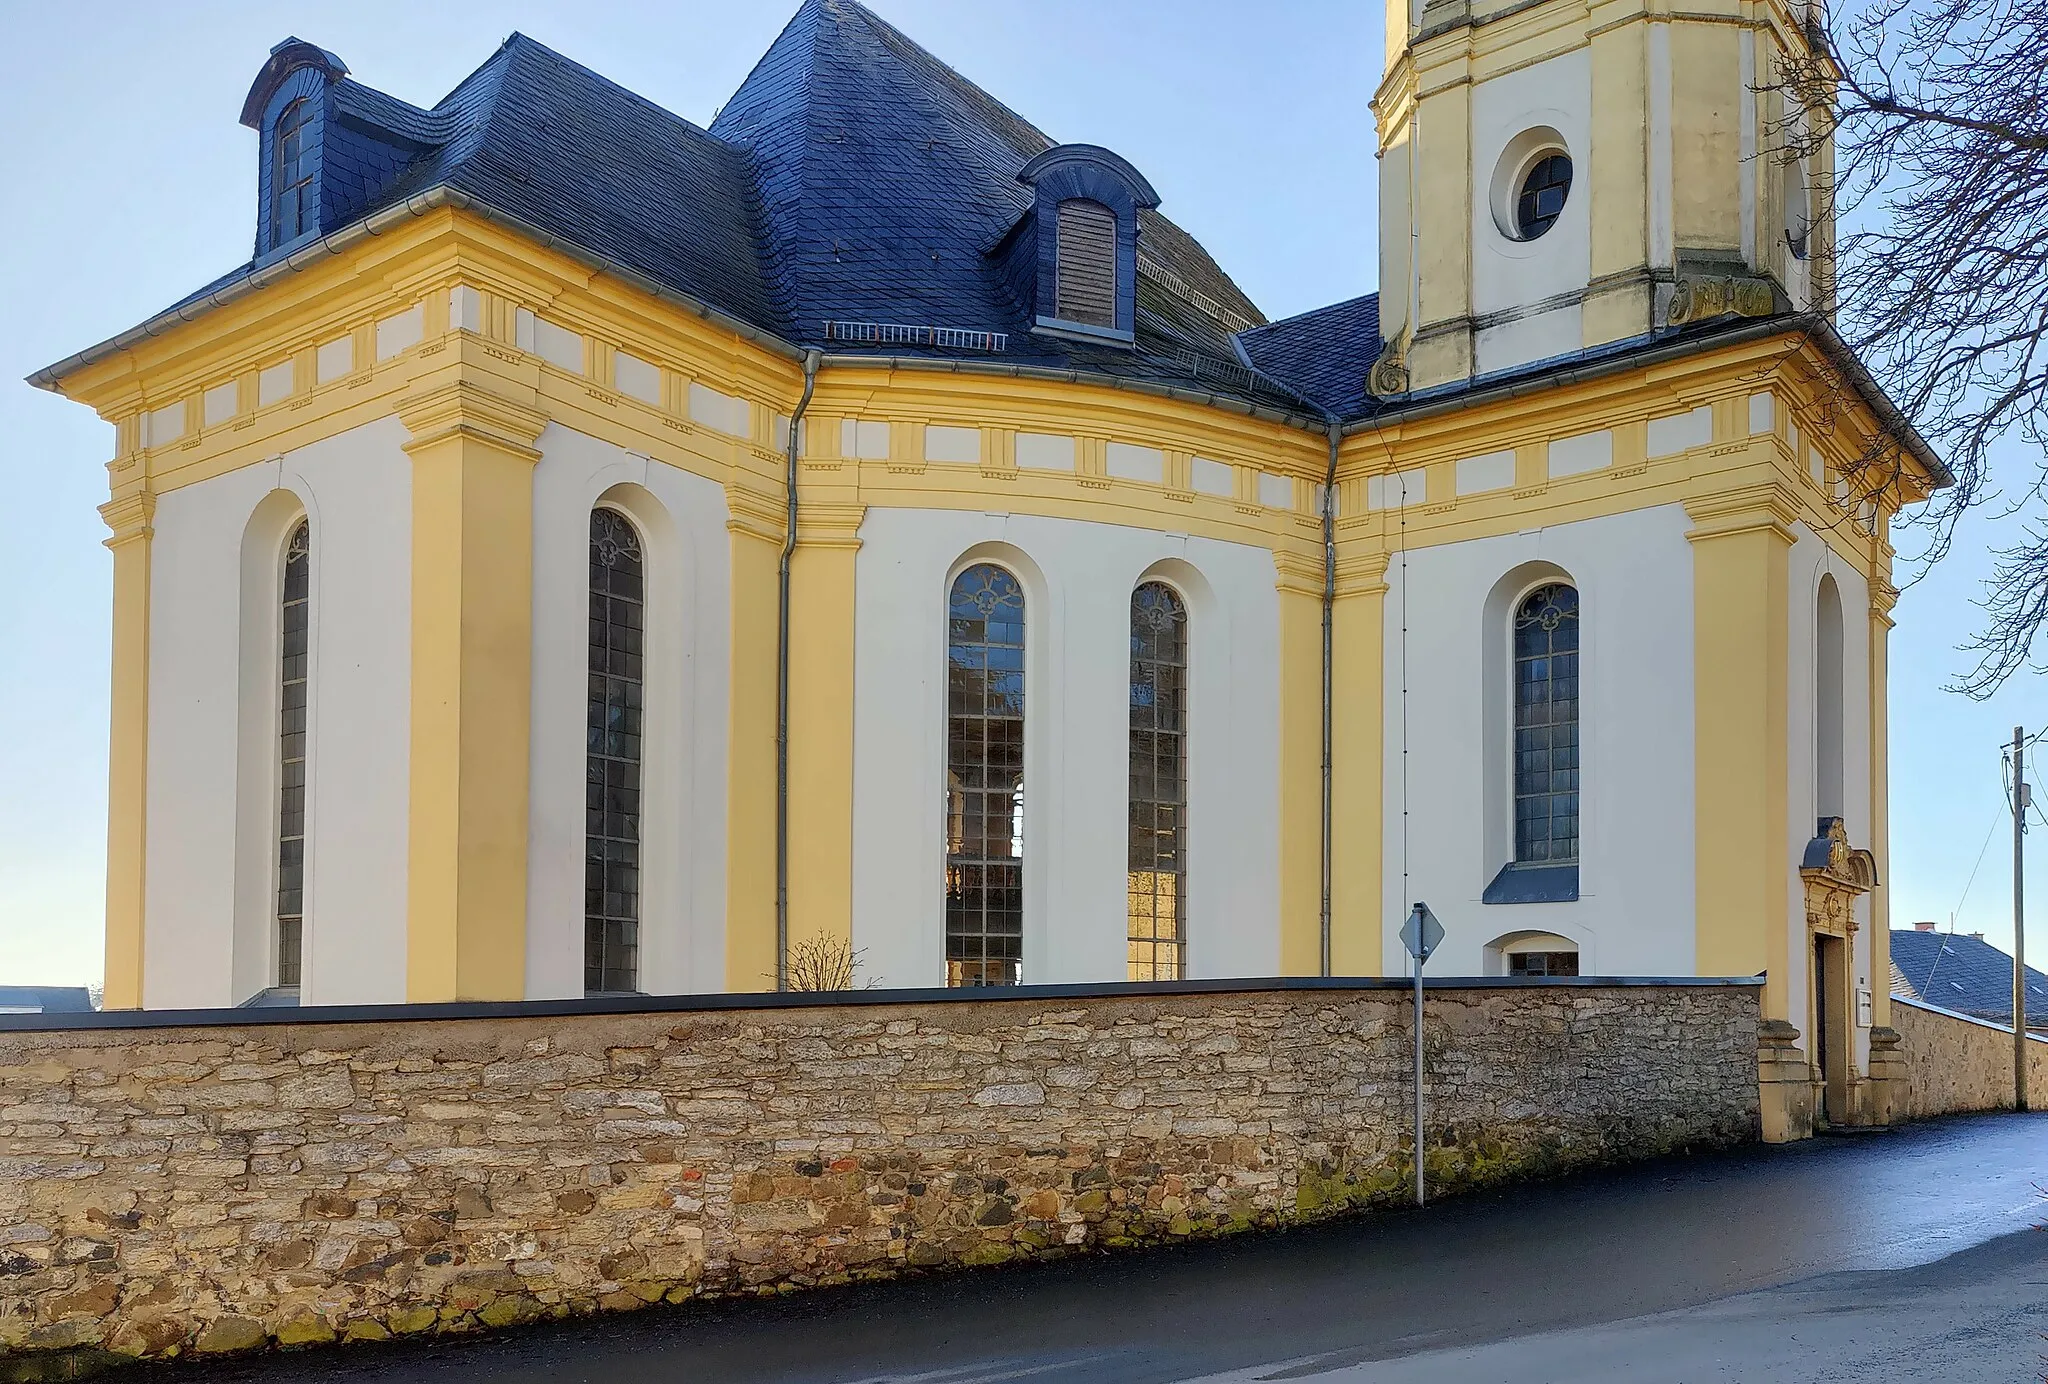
(1963, 972)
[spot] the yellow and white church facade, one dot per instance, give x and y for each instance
(464, 647)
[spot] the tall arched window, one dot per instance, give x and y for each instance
(1546, 644)
(1156, 939)
(985, 778)
(1827, 700)
(291, 755)
(611, 856)
(291, 189)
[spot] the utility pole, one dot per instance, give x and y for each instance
(2020, 798)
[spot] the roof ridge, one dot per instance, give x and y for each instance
(530, 43)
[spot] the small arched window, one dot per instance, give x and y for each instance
(1156, 939)
(611, 857)
(1546, 648)
(1087, 263)
(985, 778)
(291, 188)
(296, 595)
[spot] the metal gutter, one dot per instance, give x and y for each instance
(831, 999)
(1329, 509)
(782, 587)
(1819, 328)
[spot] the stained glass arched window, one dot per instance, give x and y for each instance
(611, 856)
(295, 598)
(1546, 642)
(985, 778)
(1156, 938)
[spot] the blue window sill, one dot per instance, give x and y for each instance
(1524, 883)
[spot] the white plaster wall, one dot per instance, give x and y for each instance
(1634, 912)
(1077, 577)
(1510, 275)
(211, 843)
(681, 518)
(1809, 559)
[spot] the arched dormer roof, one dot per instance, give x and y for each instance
(1078, 170)
(1084, 238)
(285, 59)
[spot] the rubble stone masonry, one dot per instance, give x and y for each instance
(173, 1189)
(1955, 1063)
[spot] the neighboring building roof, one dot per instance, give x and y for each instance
(45, 999)
(1325, 353)
(1963, 972)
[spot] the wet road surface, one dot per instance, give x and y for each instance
(1532, 1283)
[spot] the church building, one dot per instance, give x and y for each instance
(585, 553)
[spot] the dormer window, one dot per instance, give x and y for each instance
(1073, 257)
(289, 106)
(292, 180)
(1086, 290)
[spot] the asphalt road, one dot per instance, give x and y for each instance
(1881, 1256)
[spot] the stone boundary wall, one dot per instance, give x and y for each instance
(1955, 1063)
(166, 1190)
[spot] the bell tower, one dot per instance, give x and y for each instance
(1564, 175)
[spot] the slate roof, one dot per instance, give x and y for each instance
(1325, 353)
(1965, 973)
(853, 177)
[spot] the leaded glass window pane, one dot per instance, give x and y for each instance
(611, 856)
(291, 755)
(292, 180)
(1546, 636)
(1156, 939)
(985, 778)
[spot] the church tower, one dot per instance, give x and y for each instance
(1561, 175)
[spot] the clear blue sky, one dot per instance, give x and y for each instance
(129, 182)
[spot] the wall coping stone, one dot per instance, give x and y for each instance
(812, 999)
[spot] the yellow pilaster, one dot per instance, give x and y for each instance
(755, 526)
(128, 515)
(1358, 763)
(472, 679)
(1883, 596)
(1301, 760)
(821, 721)
(1742, 866)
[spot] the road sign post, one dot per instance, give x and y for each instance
(1420, 935)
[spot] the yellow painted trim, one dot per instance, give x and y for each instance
(472, 682)
(1300, 583)
(821, 721)
(1741, 543)
(129, 516)
(1883, 596)
(755, 529)
(1358, 767)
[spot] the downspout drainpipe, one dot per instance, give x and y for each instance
(796, 419)
(1329, 508)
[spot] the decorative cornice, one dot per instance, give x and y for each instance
(1767, 506)
(130, 516)
(835, 526)
(754, 513)
(463, 408)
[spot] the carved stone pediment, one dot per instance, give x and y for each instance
(1836, 875)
